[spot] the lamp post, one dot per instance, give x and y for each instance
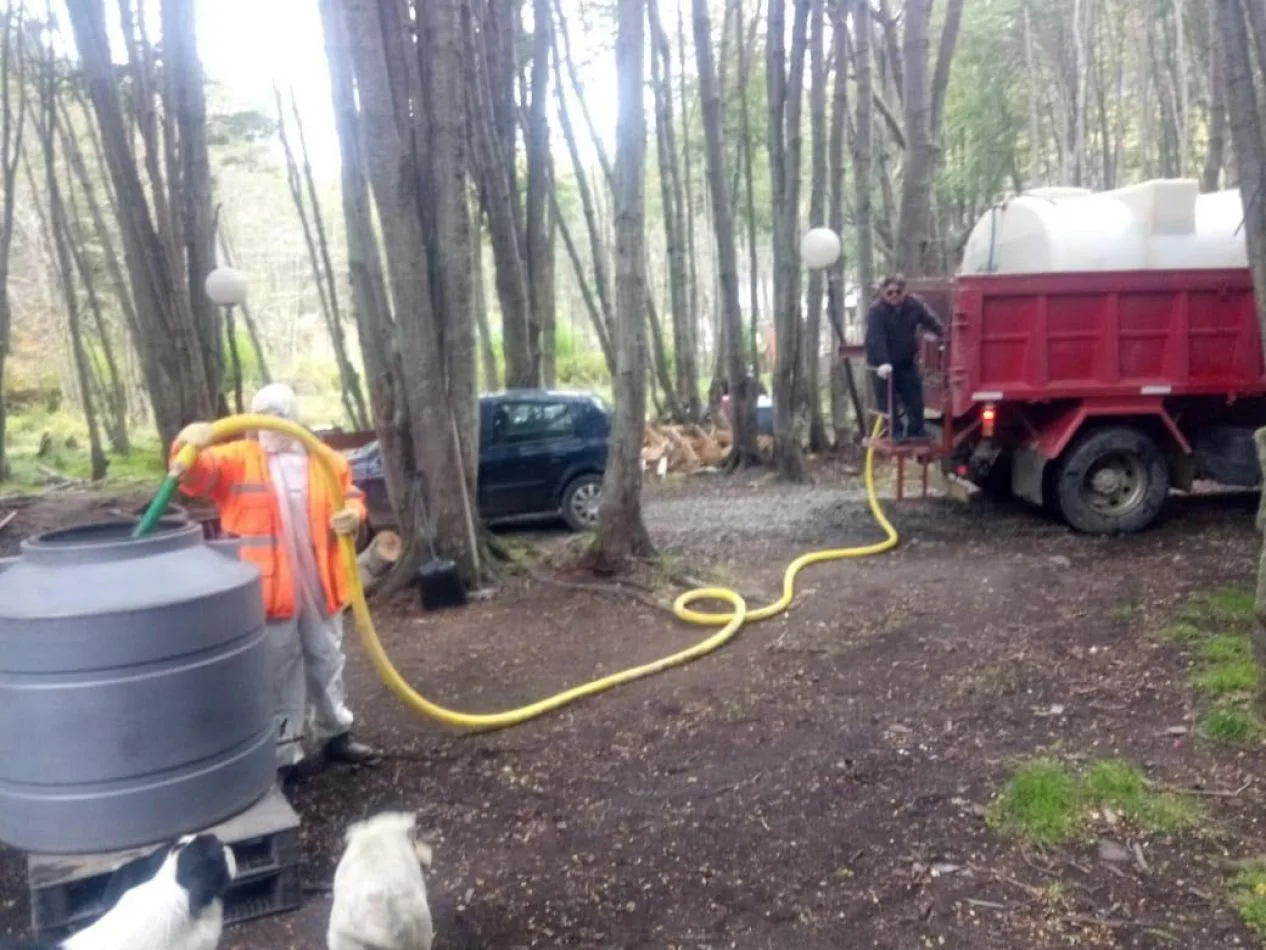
(820, 248)
(226, 286)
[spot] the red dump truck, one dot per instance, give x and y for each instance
(1094, 392)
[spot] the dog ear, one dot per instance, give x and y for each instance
(203, 871)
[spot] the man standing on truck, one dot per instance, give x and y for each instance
(892, 348)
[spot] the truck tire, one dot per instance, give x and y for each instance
(1111, 481)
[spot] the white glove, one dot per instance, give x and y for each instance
(197, 434)
(345, 522)
(884, 371)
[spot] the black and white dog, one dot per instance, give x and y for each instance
(172, 899)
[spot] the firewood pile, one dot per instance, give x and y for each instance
(683, 448)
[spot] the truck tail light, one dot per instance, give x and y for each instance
(988, 416)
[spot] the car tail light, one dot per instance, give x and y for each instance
(988, 416)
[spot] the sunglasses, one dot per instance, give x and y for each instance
(893, 293)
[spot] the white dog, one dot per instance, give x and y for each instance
(176, 902)
(379, 892)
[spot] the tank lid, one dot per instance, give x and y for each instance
(109, 540)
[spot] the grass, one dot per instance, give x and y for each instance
(1046, 803)
(1225, 673)
(67, 452)
(1231, 724)
(1248, 894)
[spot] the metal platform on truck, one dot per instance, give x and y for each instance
(67, 891)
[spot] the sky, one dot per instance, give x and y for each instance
(246, 45)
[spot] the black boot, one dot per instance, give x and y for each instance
(345, 750)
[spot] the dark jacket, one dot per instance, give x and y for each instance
(891, 331)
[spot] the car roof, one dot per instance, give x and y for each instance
(538, 395)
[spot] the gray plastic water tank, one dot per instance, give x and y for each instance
(135, 688)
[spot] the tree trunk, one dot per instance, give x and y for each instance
(686, 375)
(863, 157)
(61, 246)
(188, 108)
(742, 386)
(1215, 156)
(784, 88)
(622, 533)
(169, 341)
(688, 189)
(395, 183)
(371, 305)
(12, 128)
(491, 74)
(538, 260)
(818, 441)
(354, 398)
(745, 127)
(487, 357)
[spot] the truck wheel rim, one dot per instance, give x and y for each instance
(585, 502)
(1115, 484)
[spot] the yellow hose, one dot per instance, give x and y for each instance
(730, 621)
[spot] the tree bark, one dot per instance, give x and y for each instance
(621, 532)
(12, 129)
(784, 89)
(395, 180)
(487, 356)
(741, 385)
(61, 246)
(1215, 155)
(169, 341)
(863, 157)
(539, 262)
(353, 395)
(188, 109)
(686, 375)
(745, 127)
(818, 441)
(491, 74)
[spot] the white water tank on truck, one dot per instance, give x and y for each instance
(1156, 225)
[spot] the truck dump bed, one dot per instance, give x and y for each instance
(1044, 337)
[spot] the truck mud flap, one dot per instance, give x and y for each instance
(1027, 471)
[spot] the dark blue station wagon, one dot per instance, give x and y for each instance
(540, 454)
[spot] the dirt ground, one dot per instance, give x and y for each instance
(820, 783)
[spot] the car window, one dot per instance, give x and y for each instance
(516, 422)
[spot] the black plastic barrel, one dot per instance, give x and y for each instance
(135, 693)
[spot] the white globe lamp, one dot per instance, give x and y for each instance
(819, 248)
(226, 286)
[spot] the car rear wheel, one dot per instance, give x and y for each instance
(1112, 481)
(581, 501)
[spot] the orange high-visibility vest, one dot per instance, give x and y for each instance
(235, 476)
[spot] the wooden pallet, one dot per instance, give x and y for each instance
(68, 891)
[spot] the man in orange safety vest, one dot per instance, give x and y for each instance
(271, 498)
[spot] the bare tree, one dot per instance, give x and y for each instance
(319, 261)
(784, 87)
(622, 533)
(540, 263)
(745, 131)
(396, 180)
(60, 233)
(1215, 155)
(863, 153)
(672, 195)
(917, 252)
(169, 341)
(818, 441)
(12, 127)
(742, 385)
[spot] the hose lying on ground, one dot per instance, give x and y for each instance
(730, 622)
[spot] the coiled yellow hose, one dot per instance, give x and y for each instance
(730, 621)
